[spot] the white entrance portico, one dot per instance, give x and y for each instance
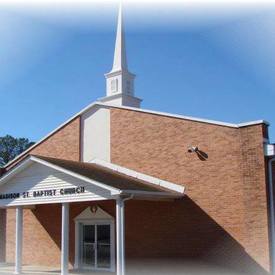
(94, 239)
(42, 180)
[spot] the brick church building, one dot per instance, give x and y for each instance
(117, 186)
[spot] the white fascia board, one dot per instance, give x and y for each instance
(31, 159)
(255, 122)
(68, 200)
(172, 115)
(18, 168)
(162, 183)
(269, 150)
(208, 121)
(73, 174)
(106, 105)
(150, 193)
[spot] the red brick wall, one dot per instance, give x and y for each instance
(229, 186)
(154, 230)
(10, 235)
(65, 143)
(42, 233)
(39, 248)
(255, 194)
(222, 219)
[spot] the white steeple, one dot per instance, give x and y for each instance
(120, 59)
(119, 81)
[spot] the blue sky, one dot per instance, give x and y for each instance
(215, 63)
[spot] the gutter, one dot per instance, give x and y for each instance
(128, 198)
(272, 214)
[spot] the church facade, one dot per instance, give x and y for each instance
(117, 185)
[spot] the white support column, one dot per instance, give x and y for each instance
(76, 249)
(18, 240)
(120, 237)
(65, 240)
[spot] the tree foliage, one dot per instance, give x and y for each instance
(11, 147)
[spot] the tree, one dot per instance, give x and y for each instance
(11, 147)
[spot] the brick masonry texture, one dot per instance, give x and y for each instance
(222, 220)
(229, 186)
(38, 245)
(65, 143)
(42, 232)
(154, 230)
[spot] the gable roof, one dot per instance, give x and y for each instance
(114, 181)
(105, 105)
(139, 175)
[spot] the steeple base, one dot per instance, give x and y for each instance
(122, 100)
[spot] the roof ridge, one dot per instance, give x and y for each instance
(139, 175)
(120, 170)
(97, 103)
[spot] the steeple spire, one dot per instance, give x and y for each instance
(119, 81)
(120, 58)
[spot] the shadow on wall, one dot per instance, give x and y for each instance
(180, 234)
(53, 223)
(168, 237)
(221, 249)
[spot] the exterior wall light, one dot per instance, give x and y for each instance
(93, 208)
(193, 149)
(201, 154)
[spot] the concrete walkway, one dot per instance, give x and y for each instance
(146, 268)
(6, 269)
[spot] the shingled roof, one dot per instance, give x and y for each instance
(107, 176)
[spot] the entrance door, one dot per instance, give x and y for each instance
(96, 246)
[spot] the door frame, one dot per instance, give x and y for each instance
(78, 240)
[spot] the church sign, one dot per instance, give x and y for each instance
(40, 184)
(44, 193)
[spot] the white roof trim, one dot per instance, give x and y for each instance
(209, 121)
(18, 168)
(30, 159)
(97, 103)
(156, 181)
(152, 194)
(87, 214)
(114, 191)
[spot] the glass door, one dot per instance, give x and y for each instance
(88, 246)
(96, 246)
(103, 246)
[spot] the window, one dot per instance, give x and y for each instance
(128, 87)
(114, 84)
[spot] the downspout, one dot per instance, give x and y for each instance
(131, 197)
(123, 229)
(272, 214)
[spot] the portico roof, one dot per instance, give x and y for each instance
(39, 179)
(110, 177)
